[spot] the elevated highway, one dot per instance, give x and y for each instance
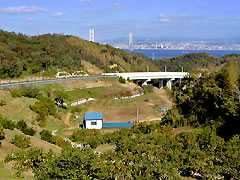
(145, 77)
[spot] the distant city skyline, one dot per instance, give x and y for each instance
(112, 19)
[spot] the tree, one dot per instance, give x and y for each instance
(121, 80)
(2, 135)
(21, 141)
(2, 103)
(60, 97)
(46, 135)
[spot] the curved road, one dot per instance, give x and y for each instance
(51, 81)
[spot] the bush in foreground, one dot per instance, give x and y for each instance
(46, 135)
(21, 141)
(22, 126)
(121, 80)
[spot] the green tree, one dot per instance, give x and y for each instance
(46, 135)
(2, 135)
(2, 103)
(21, 141)
(122, 80)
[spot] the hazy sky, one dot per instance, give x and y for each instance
(116, 18)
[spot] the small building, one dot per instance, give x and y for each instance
(93, 120)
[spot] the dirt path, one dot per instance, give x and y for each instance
(66, 121)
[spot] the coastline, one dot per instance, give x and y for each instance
(171, 53)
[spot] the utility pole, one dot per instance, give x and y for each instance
(182, 68)
(165, 68)
(147, 68)
(137, 115)
(167, 103)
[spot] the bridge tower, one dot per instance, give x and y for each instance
(91, 35)
(130, 42)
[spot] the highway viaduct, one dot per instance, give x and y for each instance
(145, 77)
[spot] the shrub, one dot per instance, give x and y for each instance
(15, 93)
(21, 125)
(58, 116)
(44, 107)
(62, 143)
(148, 88)
(76, 109)
(89, 136)
(129, 80)
(121, 80)
(30, 131)
(2, 135)
(21, 141)
(46, 135)
(7, 124)
(31, 92)
(2, 103)
(26, 91)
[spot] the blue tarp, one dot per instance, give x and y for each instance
(117, 125)
(95, 115)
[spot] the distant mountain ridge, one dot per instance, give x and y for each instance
(195, 62)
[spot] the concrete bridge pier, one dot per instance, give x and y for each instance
(160, 84)
(145, 82)
(169, 83)
(135, 81)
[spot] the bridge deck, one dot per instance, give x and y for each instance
(149, 75)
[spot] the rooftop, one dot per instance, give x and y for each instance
(93, 116)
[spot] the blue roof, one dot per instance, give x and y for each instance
(95, 115)
(117, 124)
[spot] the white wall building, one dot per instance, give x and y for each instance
(93, 120)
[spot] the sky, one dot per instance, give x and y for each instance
(112, 19)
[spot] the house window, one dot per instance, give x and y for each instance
(94, 123)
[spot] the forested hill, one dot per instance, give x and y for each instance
(195, 62)
(22, 55)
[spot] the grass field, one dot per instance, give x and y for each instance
(125, 110)
(17, 108)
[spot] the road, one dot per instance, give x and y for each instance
(51, 81)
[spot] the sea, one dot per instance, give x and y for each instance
(163, 53)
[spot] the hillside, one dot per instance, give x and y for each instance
(197, 138)
(230, 57)
(21, 55)
(36, 105)
(190, 62)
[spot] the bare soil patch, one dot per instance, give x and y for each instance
(131, 86)
(92, 69)
(90, 83)
(163, 97)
